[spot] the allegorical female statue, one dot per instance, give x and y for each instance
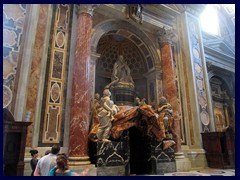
(165, 116)
(106, 112)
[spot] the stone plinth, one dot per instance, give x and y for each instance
(111, 171)
(92, 170)
(112, 158)
(163, 161)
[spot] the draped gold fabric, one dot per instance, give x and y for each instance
(143, 117)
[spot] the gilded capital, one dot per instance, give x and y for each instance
(86, 8)
(166, 36)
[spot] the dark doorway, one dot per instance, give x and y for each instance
(140, 152)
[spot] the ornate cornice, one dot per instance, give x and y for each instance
(218, 44)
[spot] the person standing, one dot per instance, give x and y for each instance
(62, 168)
(34, 160)
(47, 162)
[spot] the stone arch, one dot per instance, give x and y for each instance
(131, 32)
(145, 45)
(219, 101)
(222, 77)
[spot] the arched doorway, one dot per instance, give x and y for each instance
(140, 152)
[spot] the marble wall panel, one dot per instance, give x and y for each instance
(36, 68)
(198, 63)
(55, 90)
(14, 18)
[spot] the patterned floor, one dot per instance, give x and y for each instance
(204, 172)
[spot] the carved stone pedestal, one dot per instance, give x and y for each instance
(112, 158)
(163, 161)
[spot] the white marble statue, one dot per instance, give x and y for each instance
(106, 115)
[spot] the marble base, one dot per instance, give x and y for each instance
(163, 161)
(91, 172)
(111, 171)
(112, 158)
(183, 165)
(165, 167)
(111, 154)
(197, 158)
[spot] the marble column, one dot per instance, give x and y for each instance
(165, 38)
(80, 103)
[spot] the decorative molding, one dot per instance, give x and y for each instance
(7, 96)
(219, 44)
(94, 57)
(55, 95)
(166, 36)
(217, 59)
(86, 8)
(158, 20)
(135, 12)
(198, 65)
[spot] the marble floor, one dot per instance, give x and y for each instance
(203, 172)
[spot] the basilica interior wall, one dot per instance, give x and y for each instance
(39, 40)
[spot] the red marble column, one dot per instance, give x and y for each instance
(169, 84)
(80, 105)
